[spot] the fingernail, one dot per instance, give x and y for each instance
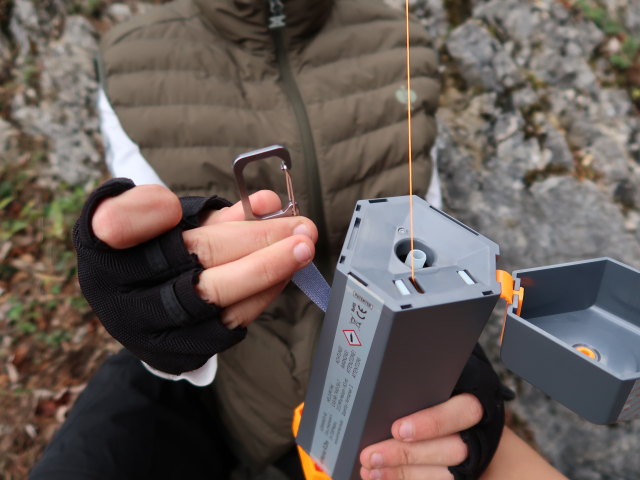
(229, 322)
(302, 252)
(406, 431)
(302, 229)
(375, 475)
(376, 460)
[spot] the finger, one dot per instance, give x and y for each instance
(225, 242)
(420, 472)
(262, 203)
(445, 451)
(246, 311)
(456, 414)
(135, 216)
(227, 284)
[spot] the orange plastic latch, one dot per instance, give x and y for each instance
(507, 292)
(311, 469)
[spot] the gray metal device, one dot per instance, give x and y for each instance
(577, 337)
(391, 344)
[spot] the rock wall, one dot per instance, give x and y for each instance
(56, 102)
(539, 150)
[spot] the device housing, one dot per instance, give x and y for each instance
(391, 345)
(577, 337)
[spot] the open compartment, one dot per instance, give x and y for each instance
(577, 337)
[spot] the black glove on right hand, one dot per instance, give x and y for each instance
(479, 379)
(145, 296)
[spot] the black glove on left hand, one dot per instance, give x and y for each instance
(145, 296)
(479, 379)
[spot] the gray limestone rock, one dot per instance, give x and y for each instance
(614, 102)
(608, 157)
(65, 114)
(25, 27)
(550, 171)
(8, 136)
(625, 12)
(431, 13)
(525, 98)
(482, 61)
(33, 24)
(5, 53)
(553, 46)
(632, 17)
(558, 218)
(556, 150)
(434, 18)
(634, 145)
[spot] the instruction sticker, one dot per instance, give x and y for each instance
(357, 323)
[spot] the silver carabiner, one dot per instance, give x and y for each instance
(278, 151)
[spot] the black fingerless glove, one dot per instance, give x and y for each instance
(145, 296)
(479, 379)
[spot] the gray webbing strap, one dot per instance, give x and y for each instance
(309, 279)
(313, 285)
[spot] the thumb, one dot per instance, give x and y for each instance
(136, 216)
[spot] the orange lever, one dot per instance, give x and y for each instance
(311, 469)
(507, 292)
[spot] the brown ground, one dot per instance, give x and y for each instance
(50, 342)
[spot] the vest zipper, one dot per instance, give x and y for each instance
(276, 23)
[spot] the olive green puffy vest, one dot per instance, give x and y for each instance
(197, 82)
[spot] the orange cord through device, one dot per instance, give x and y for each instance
(406, 14)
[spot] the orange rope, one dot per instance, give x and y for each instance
(406, 14)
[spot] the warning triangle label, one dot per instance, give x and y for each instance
(352, 338)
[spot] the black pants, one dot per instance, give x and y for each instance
(129, 424)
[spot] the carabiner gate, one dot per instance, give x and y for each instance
(291, 209)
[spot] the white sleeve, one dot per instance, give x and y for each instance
(124, 159)
(122, 156)
(201, 377)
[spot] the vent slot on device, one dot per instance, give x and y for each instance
(468, 279)
(402, 288)
(354, 233)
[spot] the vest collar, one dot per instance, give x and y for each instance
(247, 21)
